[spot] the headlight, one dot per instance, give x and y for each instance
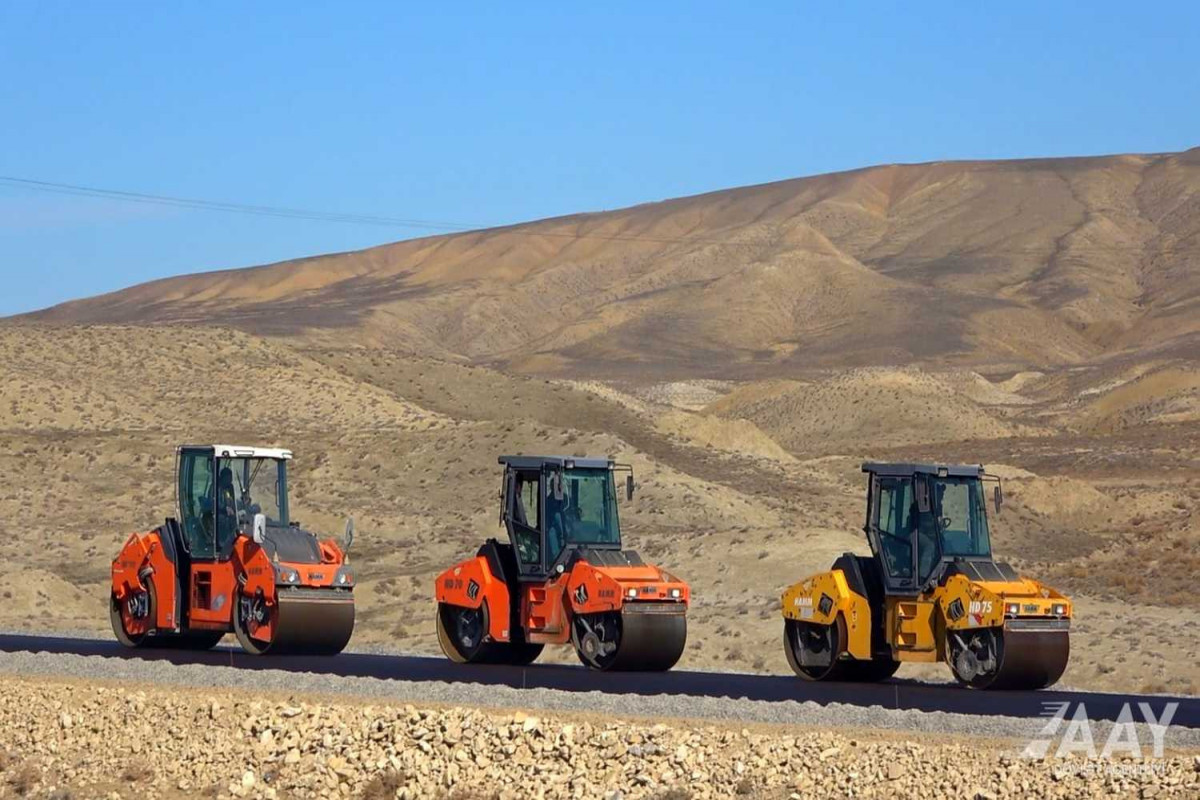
(676, 593)
(343, 578)
(1060, 610)
(1012, 609)
(631, 593)
(290, 576)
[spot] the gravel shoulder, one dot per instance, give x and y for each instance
(74, 737)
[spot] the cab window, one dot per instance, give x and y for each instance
(524, 520)
(196, 504)
(895, 522)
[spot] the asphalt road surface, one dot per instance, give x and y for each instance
(892, 694)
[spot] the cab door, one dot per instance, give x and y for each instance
(210, 579)
(894, 523)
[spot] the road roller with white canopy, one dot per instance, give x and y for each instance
(232, 560)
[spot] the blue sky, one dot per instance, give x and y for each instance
(498, 113)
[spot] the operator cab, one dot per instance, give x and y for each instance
(925, 521)
(555, 506)
(222, 488)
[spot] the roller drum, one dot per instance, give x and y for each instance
(1031, 658)
(308, 621)
(652, 638)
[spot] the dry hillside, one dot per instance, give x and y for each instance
(746, 350)
(731, 496)
(1016, 264)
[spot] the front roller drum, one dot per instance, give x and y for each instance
(642, 637)
(1018, 656)
(299, 621)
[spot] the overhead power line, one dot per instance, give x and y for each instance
(237, 208)
(459, 227)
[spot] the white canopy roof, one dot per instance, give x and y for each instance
(249, 451)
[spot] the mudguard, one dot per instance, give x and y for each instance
(965, 604)
(142, 560)
(822, 598)
(470, 584)
(592, 589)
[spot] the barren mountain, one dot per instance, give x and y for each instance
(1011, 264)
(745, 350)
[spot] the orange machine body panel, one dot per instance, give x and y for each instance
(204, 599)
(547, 606)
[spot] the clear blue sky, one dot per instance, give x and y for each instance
(504, 112)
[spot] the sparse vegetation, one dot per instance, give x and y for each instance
(407, 446)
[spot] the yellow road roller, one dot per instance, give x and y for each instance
(929, 592)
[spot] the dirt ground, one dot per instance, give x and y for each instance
(743, 487)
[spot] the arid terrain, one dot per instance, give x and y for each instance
(744, 350)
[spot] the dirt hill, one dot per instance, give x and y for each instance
(745, 350)
(743, 487)
(1014, 263)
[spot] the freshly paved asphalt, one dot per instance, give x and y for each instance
(894, 694)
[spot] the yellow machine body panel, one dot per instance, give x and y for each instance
(806, 601)
(912, 629)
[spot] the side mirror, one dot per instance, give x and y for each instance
(628, 487)
(998, 497)
(349, 534)
(260, 528)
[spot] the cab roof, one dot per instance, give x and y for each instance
(908, 470)
(537, 462)
(241, 451)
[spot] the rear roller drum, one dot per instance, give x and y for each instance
(132, 617)
(637, 640)
(1001, 658)
(815, 653)
(812, 650)
(462, 635)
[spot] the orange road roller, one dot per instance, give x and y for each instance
(929, 592)
(562, 576)
(232, 560)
